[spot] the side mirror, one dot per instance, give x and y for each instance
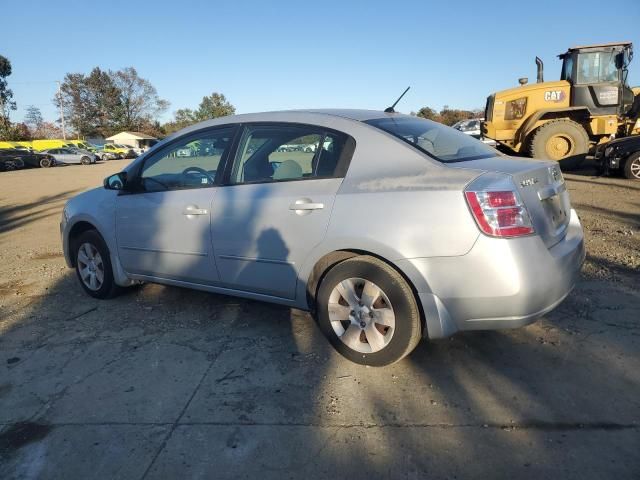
(116, 181)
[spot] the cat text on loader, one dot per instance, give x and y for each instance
(563, 120)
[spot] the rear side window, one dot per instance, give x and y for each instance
(440, 142)
(272, 153)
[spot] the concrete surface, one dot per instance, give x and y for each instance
(170, 383)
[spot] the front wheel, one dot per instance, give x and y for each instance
(45, 162)
(632, 167)
(104, 158)
(85, 161)
(368, 312)
(93, 265)
(562, 140)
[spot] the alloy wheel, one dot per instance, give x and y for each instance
(90, 266)
(361, 315)
(635, 168)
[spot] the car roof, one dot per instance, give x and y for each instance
(281, 115)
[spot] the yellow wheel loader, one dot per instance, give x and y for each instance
(564, 120)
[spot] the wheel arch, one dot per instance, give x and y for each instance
(323, 265)
(75, 231)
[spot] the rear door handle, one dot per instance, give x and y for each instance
(194, 210)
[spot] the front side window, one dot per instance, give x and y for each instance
(567, 68)
(597, 67)
(189, 163)
(277, 153)
(440, 142)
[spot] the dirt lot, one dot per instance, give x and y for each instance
(163, 382)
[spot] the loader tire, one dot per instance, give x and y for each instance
(563, 140)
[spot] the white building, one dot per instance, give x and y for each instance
(136, 140)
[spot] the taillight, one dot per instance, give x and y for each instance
(499, 214)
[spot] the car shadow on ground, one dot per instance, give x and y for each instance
(162, 381)
(16, 216)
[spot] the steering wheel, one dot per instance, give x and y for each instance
(200, 171)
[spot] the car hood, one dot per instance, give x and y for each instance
(627, 142)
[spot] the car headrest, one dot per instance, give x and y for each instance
(288, 169)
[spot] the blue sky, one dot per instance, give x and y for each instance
(271, 55)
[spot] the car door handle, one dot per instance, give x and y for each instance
(193, 210)
(302, 205)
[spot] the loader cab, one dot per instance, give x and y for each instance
(598, 77)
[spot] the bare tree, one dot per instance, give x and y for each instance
(139, 100)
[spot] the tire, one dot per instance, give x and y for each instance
(45, 162)
(85, 161)
(563, 140)
(632, 166)
(104, 158)
(90, 246)
(399, 328)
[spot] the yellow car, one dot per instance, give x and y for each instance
(113, 148)
(51, 143)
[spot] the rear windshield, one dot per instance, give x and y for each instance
(443, 143)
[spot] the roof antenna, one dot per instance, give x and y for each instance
(390, 109)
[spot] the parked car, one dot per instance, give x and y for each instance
(9, 162)
(82, 145)
(621, 154)
(398, 228)
(72, 156)
(21, 157)
(48, 144)
(472, 127)
(122, 150)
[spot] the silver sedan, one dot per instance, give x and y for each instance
(389, 228)
(72, 156)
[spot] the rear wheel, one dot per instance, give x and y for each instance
(632, 166)
(368, 312)
(45, 162)
(93, 265)
(85, 161)
(563, 140)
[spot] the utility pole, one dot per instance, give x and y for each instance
(64, 133)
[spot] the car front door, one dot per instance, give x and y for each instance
(276, 205)
(163, 225)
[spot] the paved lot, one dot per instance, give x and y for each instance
(169, 383)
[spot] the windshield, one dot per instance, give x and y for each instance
(443, 143)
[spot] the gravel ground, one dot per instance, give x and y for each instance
(164, 382)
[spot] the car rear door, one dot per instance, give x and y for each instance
(277, 205)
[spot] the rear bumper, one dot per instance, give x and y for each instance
(500, 283)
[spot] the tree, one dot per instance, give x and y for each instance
(214, 106)
(139, 100)
(428, 113)
(6, 97)
(48, 130)
(104, 102)
(33, 118)
(448, 115)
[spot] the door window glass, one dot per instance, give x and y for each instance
(597, 67)
(189, 163)
(277, 153)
